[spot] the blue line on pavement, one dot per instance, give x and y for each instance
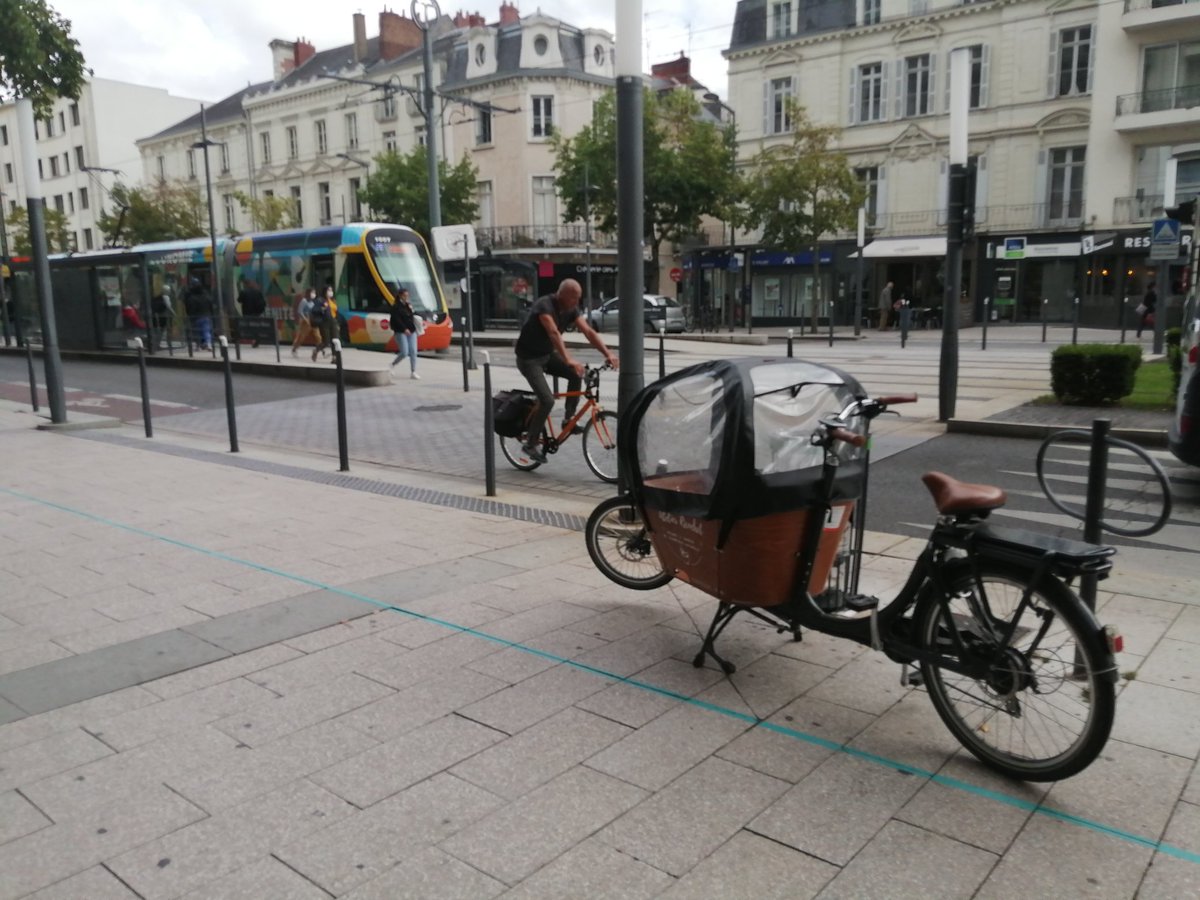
(854, 752)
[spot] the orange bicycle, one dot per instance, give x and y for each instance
(599, 433)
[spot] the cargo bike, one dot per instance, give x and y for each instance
(747, 479)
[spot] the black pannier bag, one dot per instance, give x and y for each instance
(510, 410)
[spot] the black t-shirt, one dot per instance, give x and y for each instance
(253, 302)
(533, 340)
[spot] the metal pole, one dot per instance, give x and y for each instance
(275, 337)
(489, 424)
(230, 413)
(1160, 313)
(862, 235)
(662, 360)
(1045, 303)
(587, 239)
(1075, 321)
(33, 398)
(789, 344)
(212, 230)
(1124, 316)
(343, 444)
(467, 307)
(426, 14)
(35, 204)
(904, 319)
(463, 347)
(960, 75)
(630, 199)
(1094, 509)
(4, 323)
(145, 388)
(986, 302)
(829, 311)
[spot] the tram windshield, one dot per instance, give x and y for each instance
(403, 262)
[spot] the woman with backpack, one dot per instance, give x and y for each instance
(404, 326)
(321, 317)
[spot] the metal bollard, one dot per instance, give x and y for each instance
(237, 344)
(790, 343)
(1075, 322)
(275, 337)
(230, 413)
(830, 316)
(465, 366)
(1045, 303)
(145, 388)
(1124, 316)
(187, 325)
(903, 324)
(32, 376)
(343, 443)
(489, 442)
(662, 359)
(1093, 515)
(986, 302)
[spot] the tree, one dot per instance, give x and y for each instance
(164, 211)
(398, 190)
(688, 165)
(39, 60)
(800, 191)
(58, 232)
(269, 212)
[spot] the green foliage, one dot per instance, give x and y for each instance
(39, 60)
(1173, 338)
(398, 190)
(688, 168)
(58, 232)
(1094, 374)
(269, 212)
(164, 211)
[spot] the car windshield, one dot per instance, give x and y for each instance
(668, 301)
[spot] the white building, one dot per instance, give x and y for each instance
(501, 88)
(1056, 162)
(82, 147)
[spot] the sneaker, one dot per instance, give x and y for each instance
(533, 452)
(415, 377)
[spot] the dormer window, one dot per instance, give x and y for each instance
(600, 54)
(480, 54)
(540, 45)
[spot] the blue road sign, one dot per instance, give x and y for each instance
(1164, 239)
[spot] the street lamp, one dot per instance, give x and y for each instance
(357, 162)
(204, 143)
(587, 237)
(960, 94)
(426, 13)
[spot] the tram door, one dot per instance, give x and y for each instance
(322, 273)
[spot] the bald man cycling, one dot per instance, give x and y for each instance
(540, 349)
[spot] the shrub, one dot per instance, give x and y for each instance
(1094, 374)
(1174, 337)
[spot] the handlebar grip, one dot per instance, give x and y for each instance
(893, 399)
(849, 437)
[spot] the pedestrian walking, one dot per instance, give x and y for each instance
(198, 305)
(300, 318)
(161, 314)
(404, 326)
(321, 317)
(1145, 309)
(885, 306)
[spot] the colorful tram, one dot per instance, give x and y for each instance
(367, 263)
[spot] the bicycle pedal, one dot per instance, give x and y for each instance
(910, 677)
(861, 602)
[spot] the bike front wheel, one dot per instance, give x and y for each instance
(600, 446)
(1025, 684)
(514, 451)
(619, 545)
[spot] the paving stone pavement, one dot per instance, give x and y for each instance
(487, 715)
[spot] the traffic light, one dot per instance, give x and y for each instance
(1184, 213)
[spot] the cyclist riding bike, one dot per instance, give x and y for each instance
(540, 349)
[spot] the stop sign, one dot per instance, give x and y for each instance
(677, 275)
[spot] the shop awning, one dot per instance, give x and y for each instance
(890, 248)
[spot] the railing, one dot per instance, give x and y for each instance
(515, 237)
(1185, 97)
(1131, 5)
(1136, 209)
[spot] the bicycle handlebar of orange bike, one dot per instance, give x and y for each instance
(849, 437)
(893, 399)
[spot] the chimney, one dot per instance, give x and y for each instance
(679, 70)
(397, 34)
(476, 21)
(509, 14)
(283, 57)
(460, 20)
(303, 53)
(360, 37)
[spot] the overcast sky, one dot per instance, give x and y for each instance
(209, 49)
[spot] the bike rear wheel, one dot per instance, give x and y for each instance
(619, 545)
(600, 446)
(514, 452)
(1040, 700)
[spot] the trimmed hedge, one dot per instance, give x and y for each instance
(1174, 337)
(1094, 374)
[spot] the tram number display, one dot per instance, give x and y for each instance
(387, 247)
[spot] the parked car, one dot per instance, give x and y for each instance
(655, 308)
(1184, 435)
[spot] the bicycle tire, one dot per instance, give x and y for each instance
(600, 446)
(514, 452)
(1056, 692)
(619, 545)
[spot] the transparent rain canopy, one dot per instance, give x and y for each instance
(682, 432)
(789, 402)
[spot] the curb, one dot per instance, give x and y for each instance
(1143, 437)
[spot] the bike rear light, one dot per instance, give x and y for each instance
(1193, 354)
(1116, 642)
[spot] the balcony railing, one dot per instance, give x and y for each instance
(1131, 5)
(1145, 208)
(519, 237)
(1185, 97)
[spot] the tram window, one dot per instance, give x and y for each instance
(362, 293)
